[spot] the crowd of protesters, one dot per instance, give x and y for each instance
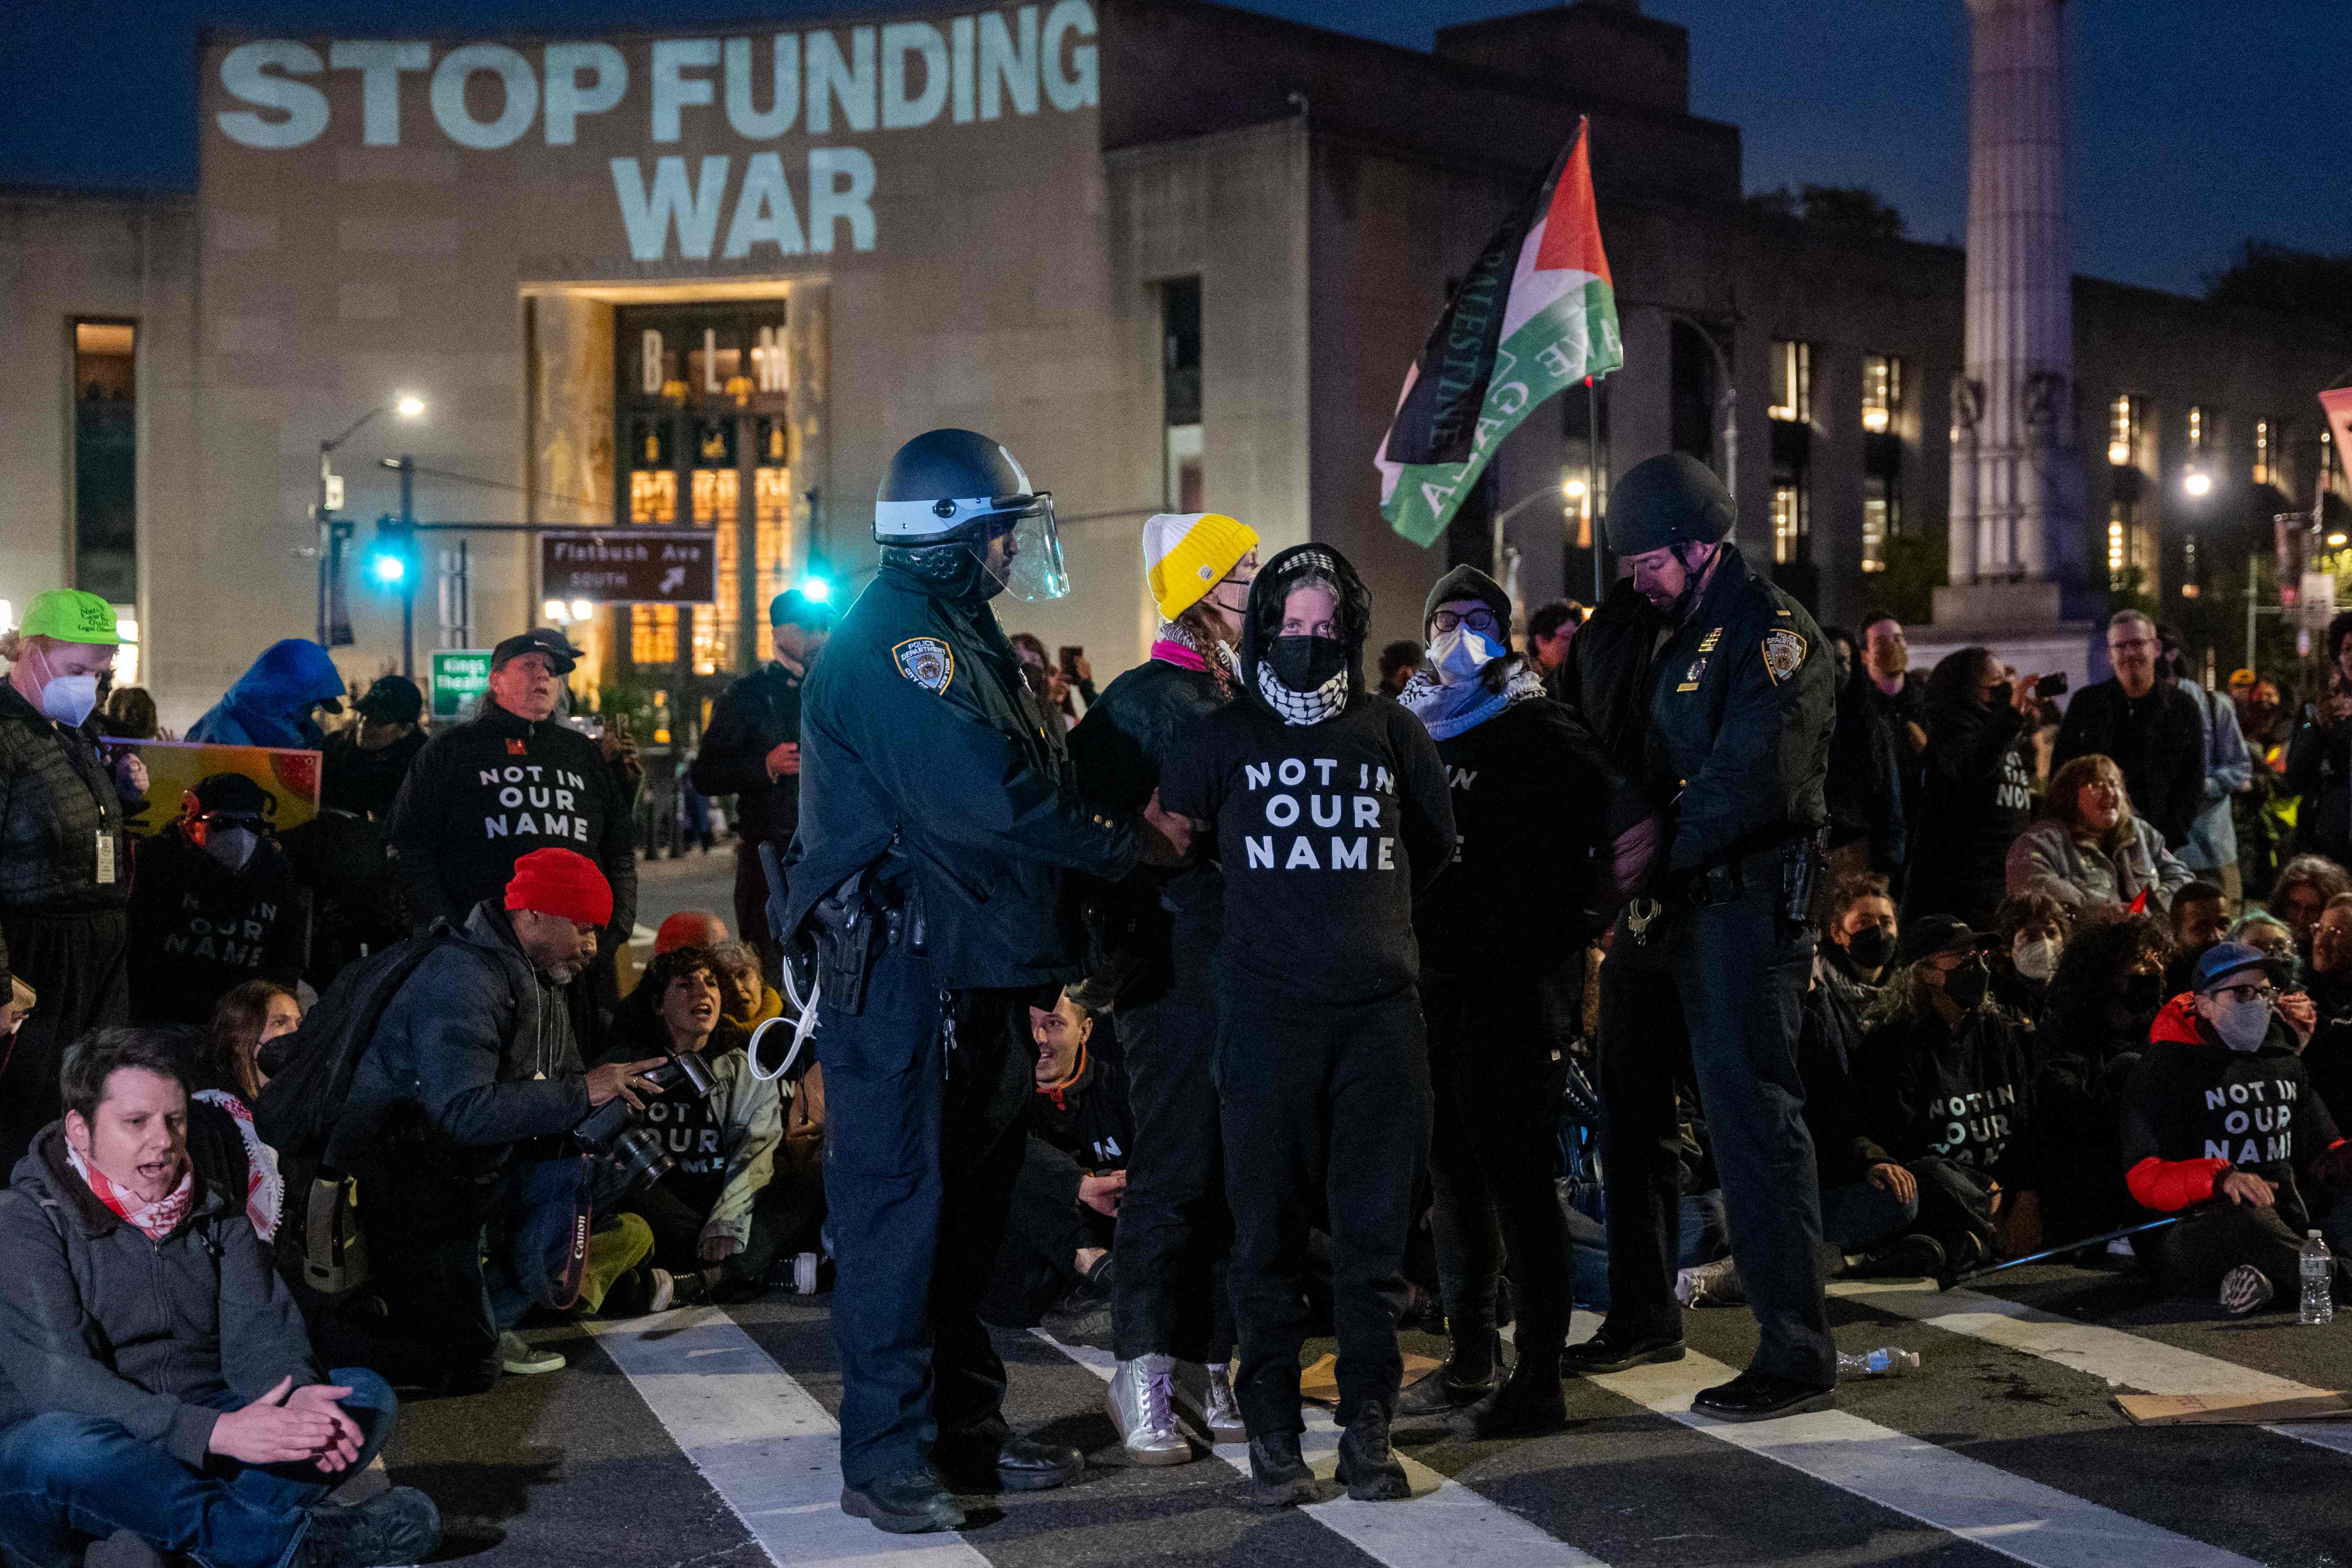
(2072, 970)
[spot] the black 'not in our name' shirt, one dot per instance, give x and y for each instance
(1326, 831)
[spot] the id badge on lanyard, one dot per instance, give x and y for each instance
(105, 857)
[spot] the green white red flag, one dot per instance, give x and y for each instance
(1537, 315)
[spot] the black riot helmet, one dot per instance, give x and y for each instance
(1671, 499)
(949, 495)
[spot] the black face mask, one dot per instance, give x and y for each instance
(1966, 985)
(2142, 992)
(1870, 947)
(1304, 663)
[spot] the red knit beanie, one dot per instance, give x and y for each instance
(690, 927)
(561, 882)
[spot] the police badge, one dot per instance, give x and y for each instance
(927, 661)
(1784, 653)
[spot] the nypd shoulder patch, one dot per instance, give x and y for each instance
(1784, 654)
(927, 661)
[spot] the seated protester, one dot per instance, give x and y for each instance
(2089, 850)
(2102, 1001)
(2032, 929)
(1704, 1272)
(1868, 1199)
(690, 927)
(2272, 938)
(225, 1081)
(213, 904)
(2199, 919)
(708, 1234)
(2220, 1108)
(1067, 1200)
(744, 994)
(2301, 895)
(2325, 1036)
(154, 1374)
(1951, 1090)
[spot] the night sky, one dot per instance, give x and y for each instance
(2196, 125)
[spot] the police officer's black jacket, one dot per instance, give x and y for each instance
(1741, 704)
(1129, 734)
(484, 794)
(754, 717)
(917, 731)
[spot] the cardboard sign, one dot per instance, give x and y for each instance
(175, 767)
(2232, 1409)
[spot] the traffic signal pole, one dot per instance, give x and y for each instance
(407, 467)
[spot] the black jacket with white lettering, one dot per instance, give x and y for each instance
(484, 794)
(2193, 1101)
(1964, 1095)
(198, 929)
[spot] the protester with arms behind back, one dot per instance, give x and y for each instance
(939, 817)
(1170, 1297)
(752, 751)
(65, 871)
(154, 1374)
(2139, 718)
(1545, 828)
(1715, 961)
(1331, 812)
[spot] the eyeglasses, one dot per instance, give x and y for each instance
(1479, 621)
(2244, 993)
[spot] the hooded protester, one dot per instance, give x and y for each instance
(65, 868)
(1976, 790)
(270, 703)
(214, 904)
(1170, 1297)
(1951, 1090)
(2221, 1112)
(1330, 813)
(1542, 824)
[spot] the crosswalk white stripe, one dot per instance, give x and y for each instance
(1444, 1524)
(766, 1447)
(2123, 1359)
(1991, 1506)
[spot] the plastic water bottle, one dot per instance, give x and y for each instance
(1885, 1362)
(2318, 1272)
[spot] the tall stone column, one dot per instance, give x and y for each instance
(2017, 558)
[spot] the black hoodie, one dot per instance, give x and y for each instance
(198, 929)
(1326, 831)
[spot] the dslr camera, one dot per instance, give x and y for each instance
(616, 1132)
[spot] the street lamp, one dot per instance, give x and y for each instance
(408, 406)
(2198, 482)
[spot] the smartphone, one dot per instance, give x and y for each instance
(2051, 685)
(1070, 654)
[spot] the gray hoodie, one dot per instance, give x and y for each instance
(97, 1320)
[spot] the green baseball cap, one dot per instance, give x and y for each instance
(69, 614)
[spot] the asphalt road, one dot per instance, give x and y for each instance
(704, 1438)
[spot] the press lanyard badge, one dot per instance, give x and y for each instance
(105, 857)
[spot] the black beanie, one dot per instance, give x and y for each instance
(1467, 581)
(1671, 499)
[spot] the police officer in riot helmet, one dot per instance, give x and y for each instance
(939, 819)
(1710, 964)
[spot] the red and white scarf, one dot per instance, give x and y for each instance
(265, 1188)
(158, 1219)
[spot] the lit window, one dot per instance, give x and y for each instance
(2261, 451)
(2122, 430)
(1882, 391)
(1789, 523)
(2116, 544)
(2195, 429)
(653, 634)
(653, 496)
(771, 513)
(1792, 381)
(1874, 515)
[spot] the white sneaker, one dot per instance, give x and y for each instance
(1715, 1284)
(2244, 1289)
(1223, 1416)
(1141, 1402)
(665, 1294)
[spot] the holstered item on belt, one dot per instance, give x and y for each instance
(334, 1250)
(1798, 863)
(854, 923)
(1721, 883)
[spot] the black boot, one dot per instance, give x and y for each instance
(913, 1502)
(1614, 1349)
(1368, 1468)
(392, 1527)
(1010, 1462)
(1913, 1256)
(1278, 1474)
(1529, 1404)
(1756, 1396)
(1455, 1383)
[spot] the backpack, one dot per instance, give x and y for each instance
(300, 1110)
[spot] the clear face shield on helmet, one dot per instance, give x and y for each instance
(1023, 551)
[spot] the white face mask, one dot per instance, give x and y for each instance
(2242, 1026)
(68, 699)
(2036, 958)
(1459, 656)
(232, 846)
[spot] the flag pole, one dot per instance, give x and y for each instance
(1593, 475)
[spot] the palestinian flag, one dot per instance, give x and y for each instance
(1537, 315)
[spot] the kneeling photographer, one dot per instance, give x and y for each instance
(698, 1161)
(471, 1088)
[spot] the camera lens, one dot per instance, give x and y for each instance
(639, 1155)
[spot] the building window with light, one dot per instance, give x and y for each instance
(1882, 456)
(1792, 522)
(105, 460)
(1882, 393)
(1792, 382)
(2123, 431)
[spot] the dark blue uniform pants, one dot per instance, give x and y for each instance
(1718, 987)
(922, 1145)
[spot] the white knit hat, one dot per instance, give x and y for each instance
(1186, 554)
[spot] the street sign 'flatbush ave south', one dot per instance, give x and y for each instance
(630, 566)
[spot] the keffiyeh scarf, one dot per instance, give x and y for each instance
(158, 1219)
(265, 1188)
(1448, 710)
(1327, 700)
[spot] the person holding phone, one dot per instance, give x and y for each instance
(1975, 789)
